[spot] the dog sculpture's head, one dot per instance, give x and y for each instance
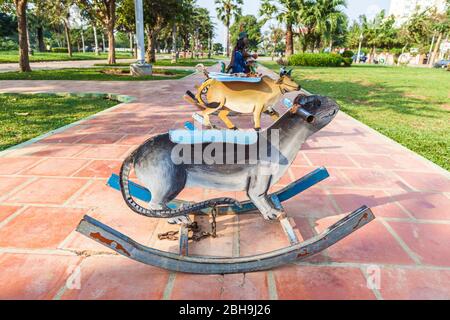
(286, 83)
(320, 111)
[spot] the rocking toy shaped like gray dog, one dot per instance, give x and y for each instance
(165, 165)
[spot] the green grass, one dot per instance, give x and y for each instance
(13, 56)
(409, 105)
(26, 116)
(167, 63)
(92, 74)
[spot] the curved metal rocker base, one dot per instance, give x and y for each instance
(203, 265)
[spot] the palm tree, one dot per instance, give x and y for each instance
(226, 9)
(286, 12)
(323, 18)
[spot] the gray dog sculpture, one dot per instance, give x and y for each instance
(165, 178)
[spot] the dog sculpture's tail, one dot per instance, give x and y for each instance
(201, 68)
(166, 214)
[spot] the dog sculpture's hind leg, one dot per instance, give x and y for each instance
(257, 191)
(223, 115)
(209, 111)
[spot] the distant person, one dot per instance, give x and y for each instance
(240, 55)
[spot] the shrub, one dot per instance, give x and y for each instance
(8, 45)
(319, 60)
(348, 54)
(60, 50)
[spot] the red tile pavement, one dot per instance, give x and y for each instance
(46, 187)
(415, 284)
(324, 283)
(117, 278)
(373, 244)
(47, 191)
(34, 276)
(7, 211)
(40, 227)
(56, 167)
(428, 240)
(99, 169)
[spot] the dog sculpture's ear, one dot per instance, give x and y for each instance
(289, 73)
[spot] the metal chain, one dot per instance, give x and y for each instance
(197, 233)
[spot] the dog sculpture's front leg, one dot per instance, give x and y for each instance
(257, 189)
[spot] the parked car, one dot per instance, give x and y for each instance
(442, 64)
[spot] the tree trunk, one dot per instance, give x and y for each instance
(174, 44)
(30, 50)
(103, 43)
(97, 52)
(40, 38)
(228, 41)
(82, 41)
(111, 46)
(289, 40)
(372, 55)
(24, 59)
(68, 39)
(150, 56)
(436, 49)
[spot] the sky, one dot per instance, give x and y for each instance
(355, 8)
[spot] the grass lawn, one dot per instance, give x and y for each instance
(409, 105)
(13, 56)
(95, 74)
(167, 63)
(26, 116)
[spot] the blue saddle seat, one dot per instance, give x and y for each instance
(213, 136)
(226, 77)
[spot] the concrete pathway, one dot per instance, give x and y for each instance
(51, 65)
(47, 187)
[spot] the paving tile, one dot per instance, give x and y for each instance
(378, 148)
(427, 206)
(428, 240)
(100, 169)
(133, 140)
(47, 191)
(104, 152)
(374, 178)
(40, 227)
(258, 236)
(371, 244)
(7, 184)
(330, 160)
(250, 286)
(426, 181)
(6, 211)
(376, 161)
(314, 203)
(32, 277)
(197, 287)
(59, 150)
(321, 283)
(99, 195)
(10, 166)
(118, 278)
(336, 179)
(65, 137)
(101, 138)
(381, 203)
(56, 167)
(415, 284)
